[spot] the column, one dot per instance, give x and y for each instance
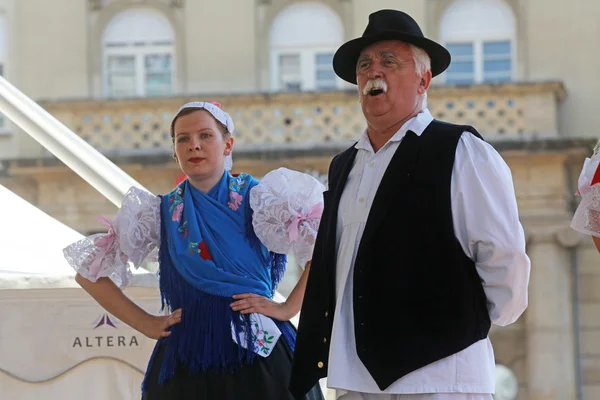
(549, 316)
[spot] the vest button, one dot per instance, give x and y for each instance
(320, 364)
(326, 314)
(324, 340)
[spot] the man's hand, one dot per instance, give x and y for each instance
(252, 303)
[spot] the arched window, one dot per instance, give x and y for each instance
(481, 36)
(303, 39)
(139, 57)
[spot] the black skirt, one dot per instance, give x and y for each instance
(265, 379)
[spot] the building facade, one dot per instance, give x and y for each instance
(115, 71)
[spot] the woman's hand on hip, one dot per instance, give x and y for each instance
(156, 327)
(248, 303)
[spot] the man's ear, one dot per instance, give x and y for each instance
(425, 82)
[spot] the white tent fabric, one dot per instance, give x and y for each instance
(55, 341)
(31, 241)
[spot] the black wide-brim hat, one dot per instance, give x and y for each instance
(388, 25)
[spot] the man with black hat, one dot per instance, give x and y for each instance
(420, 248)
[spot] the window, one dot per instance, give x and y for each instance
(3, 57)
(121, 75)
(325, 77)
(462, 68)
(290, 78)
(158, 77)
(480, 36)
(303, 39)
(497, 61)
(139, 55)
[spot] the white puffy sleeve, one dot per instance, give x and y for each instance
(133, 236)
(287, 207)
(587, 216)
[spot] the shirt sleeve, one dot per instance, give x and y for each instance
(133, 236)
(486, 223)
(287, 207)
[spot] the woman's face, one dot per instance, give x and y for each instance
(200, 146)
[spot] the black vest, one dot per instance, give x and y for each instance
(417, 296)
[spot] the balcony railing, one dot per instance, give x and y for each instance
(516, 111)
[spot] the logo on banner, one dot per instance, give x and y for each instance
(106, 335)
(105, 320)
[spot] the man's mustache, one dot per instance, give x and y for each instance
(374, 84)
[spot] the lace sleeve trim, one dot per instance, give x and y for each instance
(287, 208)
(133, 237)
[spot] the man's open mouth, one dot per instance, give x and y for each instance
(375, 92)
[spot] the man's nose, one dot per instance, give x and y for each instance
(374, 71)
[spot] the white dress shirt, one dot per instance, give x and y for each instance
(486, 223)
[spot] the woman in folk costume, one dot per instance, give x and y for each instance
(587, 216)
(220, 241)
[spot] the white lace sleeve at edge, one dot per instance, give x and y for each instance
(287, 207)
(133, 236)
(587, 216)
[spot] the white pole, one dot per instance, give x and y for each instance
(111, 181)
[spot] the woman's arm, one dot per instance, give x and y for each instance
(252, 303)
(294, 300)
(113, 300)
(99, 256)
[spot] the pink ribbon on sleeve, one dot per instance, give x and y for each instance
(104, 242)
(314, 212)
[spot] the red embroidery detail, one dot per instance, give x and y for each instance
(596, 177)
(204, 254)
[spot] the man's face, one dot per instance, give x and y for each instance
(387, 80)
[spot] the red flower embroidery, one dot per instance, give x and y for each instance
(204, 254)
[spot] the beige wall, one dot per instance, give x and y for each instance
(362, 9)
(51, 44)
(561, 38)
(220, 46)
(55, 47)
(47, 58)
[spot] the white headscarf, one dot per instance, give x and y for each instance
(215, 110)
